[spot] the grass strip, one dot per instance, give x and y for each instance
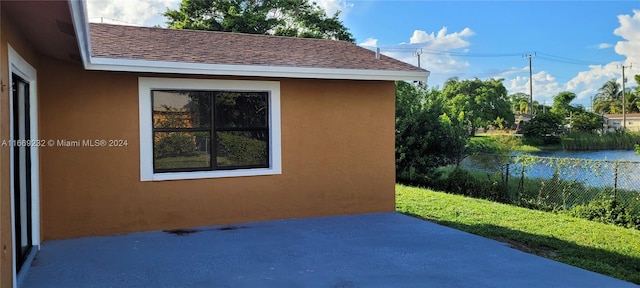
(602, 248)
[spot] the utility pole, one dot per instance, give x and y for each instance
(624, 99)
(530, 82)
(418, 53)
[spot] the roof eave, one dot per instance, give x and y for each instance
(129, 65)
(78, 11)
(81, 25)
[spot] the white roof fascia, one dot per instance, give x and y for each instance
(127, 65)
(78, 11)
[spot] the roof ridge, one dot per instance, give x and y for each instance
(224, 32)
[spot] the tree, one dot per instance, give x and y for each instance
(562, 104)
(519, 103)
(294, 18)
(637, 78)
(634, 99)
(542, 125)
(608, 99)
(427, 134)
(586, 122)
(481, 103)
(540, 108)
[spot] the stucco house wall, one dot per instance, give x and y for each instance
(615, 121)
(337, 158)
(10, 37)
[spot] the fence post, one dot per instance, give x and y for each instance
(506, 183)
(521, 184)
(615, 182)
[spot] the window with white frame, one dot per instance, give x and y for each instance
(193, 128)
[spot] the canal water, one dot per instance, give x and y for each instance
(619, 168)
(610, 155)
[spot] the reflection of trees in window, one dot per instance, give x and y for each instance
(210, 130)
(242, 148)
(241, 128)
(241, 109)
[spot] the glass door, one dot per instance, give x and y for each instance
(22, 170)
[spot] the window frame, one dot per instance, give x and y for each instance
(147, 84)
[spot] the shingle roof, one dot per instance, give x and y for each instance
(208, 47)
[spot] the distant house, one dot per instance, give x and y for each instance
(615, 121)
(136, 129)
(520, 119)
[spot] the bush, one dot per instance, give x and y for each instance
(426, 136)
(542, 130)
(607, 141)
(461, 181)
(607, 210)
(542, 125)
(174, 144)
(241, 150)
(542, 140)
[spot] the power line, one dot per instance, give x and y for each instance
(540, 55)
(109, 20)
(561, 59)
(452, 53)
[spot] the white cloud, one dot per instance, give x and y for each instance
(587, 83)
(601, 46)
(333, 6)
(629, 30)
(369, 42)
(435, 51)
(545, 86)
(604, 45)
(132, 12)
(508, 72)
(442, 40)
(149, 12)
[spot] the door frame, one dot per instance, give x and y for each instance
(20, 67)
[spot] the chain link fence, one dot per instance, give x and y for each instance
(559, 183)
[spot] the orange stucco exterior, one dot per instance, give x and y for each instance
(9, 36)
(337, 156)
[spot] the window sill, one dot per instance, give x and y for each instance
(210, 174)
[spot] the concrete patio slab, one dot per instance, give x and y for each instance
(372, 250)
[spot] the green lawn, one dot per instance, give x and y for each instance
(197, 160)
(601, 248)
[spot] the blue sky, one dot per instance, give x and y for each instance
(579, 45)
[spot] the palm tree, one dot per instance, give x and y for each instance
(609, 98)
(519, 103)
(632, 101)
